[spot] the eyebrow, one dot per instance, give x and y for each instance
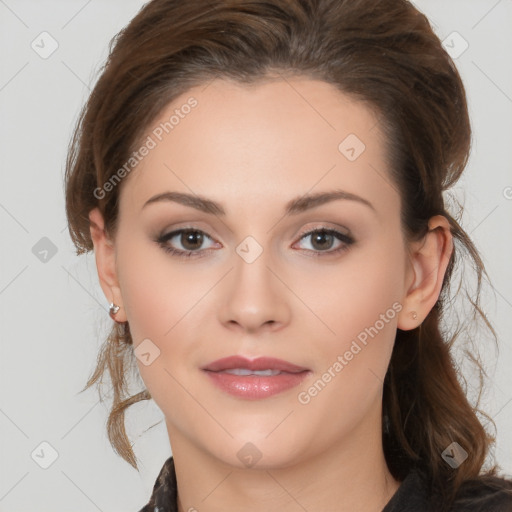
(293, 207)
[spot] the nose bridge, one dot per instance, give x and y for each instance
(255, 296)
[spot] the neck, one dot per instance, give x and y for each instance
(352, 475)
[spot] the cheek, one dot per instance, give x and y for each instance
(152, 288)
(361, 305)
(156, 299)
(166, 302)
(352, 295)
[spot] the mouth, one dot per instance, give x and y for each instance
(254, 379)
(245, 372)
(258, 365)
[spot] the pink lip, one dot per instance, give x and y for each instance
(261, 363)
(253, 387)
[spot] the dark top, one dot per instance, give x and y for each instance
(411, 496)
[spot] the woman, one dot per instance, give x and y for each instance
(262, 184)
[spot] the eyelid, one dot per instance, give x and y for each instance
(326, 226)
(169, 235)
(346, 240)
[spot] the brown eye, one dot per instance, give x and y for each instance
(322, 241)
(191, 240)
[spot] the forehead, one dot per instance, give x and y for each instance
(281, 137)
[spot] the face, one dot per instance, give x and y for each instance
(319, 286)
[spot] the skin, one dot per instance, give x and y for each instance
(245, 147)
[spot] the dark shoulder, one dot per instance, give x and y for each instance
(485, 493)
(164, 495)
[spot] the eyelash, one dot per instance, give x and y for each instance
(346, 239)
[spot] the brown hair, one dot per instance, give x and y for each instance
(384, 54)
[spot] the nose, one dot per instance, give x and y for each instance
(255, 296)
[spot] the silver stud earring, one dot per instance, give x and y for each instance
(113, 309)
(414, 315)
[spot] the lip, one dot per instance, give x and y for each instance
(260, 363)
(253, 387)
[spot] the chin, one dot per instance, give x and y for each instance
(255, 452)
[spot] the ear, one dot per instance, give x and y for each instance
(429, 260)
(104, 251)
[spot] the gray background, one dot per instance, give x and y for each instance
(53, 312)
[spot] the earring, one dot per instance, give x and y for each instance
(113, 309)
(414, 315)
